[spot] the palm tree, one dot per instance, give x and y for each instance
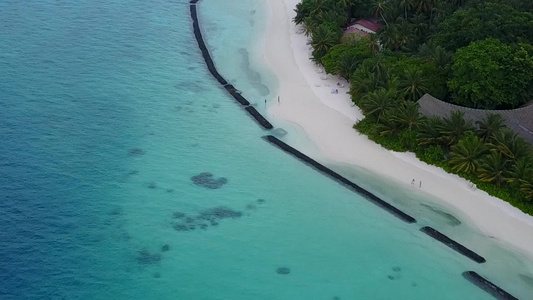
(318, 5)
(423, 6)
(432, 5)
(323, 38)
(458, 3)
(407, 115)
(526, 187)
(420, 27)
(345, 4)
(388, 125)
(362, 83)
(494, 168)
(413, 84)
(363, 80)
(437, 54)
(429, 133)
(440, 57)
(510, 145)
(520, 170)
(467, 154)
(406, 5)
(338, 18)
(309, 25)
(391, 83)
(376, 103)
(380, 7)
(454, 127)
(489, 125)
(347, 64)
(406, 36)
(424, 51)
(438, 13)
(301, 13)
(394, 14)
(373, 43)
(379, 68)
(391, 37)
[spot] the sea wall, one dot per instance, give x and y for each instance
(235, 93)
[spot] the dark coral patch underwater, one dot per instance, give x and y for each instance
(136, 152)
(204, 219)
(144, 257)
(207, 180)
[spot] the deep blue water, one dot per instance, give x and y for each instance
(107, 111)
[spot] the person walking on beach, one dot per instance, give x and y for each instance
(278, 100)
(420, 185)
(413, 182)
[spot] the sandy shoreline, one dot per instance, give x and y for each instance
(327, 120)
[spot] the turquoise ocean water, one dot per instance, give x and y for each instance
(107, 111)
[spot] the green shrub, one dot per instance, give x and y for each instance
(371, 130)
(408, 140)
(433, 155)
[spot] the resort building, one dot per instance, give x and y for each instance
(519, 119)
(367, 26)
(362, 27)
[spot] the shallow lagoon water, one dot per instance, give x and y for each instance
(108, 113)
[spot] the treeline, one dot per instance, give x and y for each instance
(472, 53)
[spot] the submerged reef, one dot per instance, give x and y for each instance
(283, 270)
(144, 257)
(204, 219)
(178, 215)
(219, 212)
(136, 152)
(396, 275)
(209, 217)
(206, 180)
(180, 227)
(117, 211)
(127, 175)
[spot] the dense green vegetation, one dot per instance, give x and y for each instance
(473, 53)
(470, 52)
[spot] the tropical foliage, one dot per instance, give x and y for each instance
(489, 126)
(489, 74)
(474, 53)
(467, 154)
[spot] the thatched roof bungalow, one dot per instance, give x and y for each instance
(520, 120)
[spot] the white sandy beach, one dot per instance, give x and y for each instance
(327, 119)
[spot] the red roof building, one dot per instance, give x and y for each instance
(352, 30)
(365, 25)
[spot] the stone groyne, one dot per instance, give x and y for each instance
(336, 176)
(260, 119)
